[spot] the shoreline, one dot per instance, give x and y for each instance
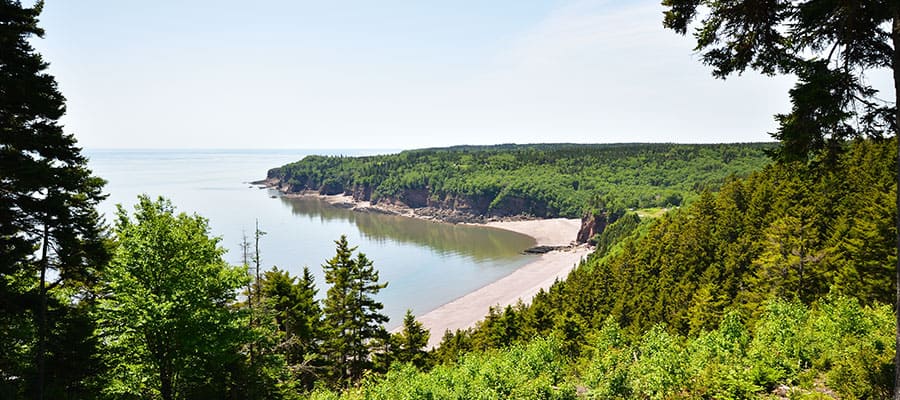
(522, 284)
(426, 213)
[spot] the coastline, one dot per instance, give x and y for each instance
(522, 284)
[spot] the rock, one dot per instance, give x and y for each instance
(330, 188)
(591, 224)
(545, 249)
(415, 198)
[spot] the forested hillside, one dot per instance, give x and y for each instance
(789, 231)
(544, 180)
(835, 349)
(779, 283)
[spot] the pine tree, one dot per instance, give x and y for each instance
(411, 342)
(309, 313)
(352, 317)
(790, 260)
(830, 46)
(297, 316)
(50, 233)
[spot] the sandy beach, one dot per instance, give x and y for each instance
(523, 283)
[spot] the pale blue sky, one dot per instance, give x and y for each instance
(389, 74)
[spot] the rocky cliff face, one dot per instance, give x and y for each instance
(591, 224)
(448, 207)
(475, 207)
(359, 192)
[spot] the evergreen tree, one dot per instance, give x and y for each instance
(352, 317)
(453, 346)
(298, 318)
(411, 342)
(789, 262)
(51, 246)
(829, 46)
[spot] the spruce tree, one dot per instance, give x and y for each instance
(352, 317)
(411, 342)
(50, 233)
(297, 315)
(308, 312)
(830, 46)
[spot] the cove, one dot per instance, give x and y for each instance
(426, 264)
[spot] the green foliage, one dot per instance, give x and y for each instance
(51, 241)
(836, 346)
(533, 371)
(609, 356)
(352, 318)
(544, 180)
(165, 322)
(663, 365)
(298, 323)
(806, 349)
(829, 46)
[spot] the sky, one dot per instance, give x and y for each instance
(390, 74)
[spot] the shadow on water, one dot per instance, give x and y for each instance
(477, 243)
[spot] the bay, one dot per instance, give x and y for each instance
(426, 264)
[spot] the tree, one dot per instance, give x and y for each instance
(254, 303)
(298, 318)
(411, 342)
(51, 241)
(829, 45)
(352, 318)
(165, 321)
(788, 254)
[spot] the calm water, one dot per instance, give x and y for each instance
(426, 264)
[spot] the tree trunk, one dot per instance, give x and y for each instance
(165, 380)
(896, 67)
(245, 246)
(42, 316)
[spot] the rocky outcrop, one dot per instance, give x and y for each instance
(359, 192)
(449, 207)
(331, 188)
(591, 224)
(545, 249)
(470, 208)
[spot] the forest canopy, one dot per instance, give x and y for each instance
(543, 180)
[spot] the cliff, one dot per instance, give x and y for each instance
(593, 224)
(449, 207)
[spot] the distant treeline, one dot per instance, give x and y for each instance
(544, 180)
